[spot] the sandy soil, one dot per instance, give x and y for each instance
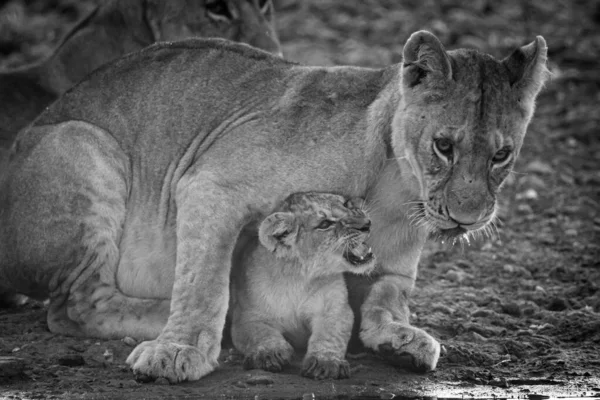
(518, 314)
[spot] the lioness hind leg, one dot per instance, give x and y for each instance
(69, 198)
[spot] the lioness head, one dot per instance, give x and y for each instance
(324, 231)
(462, 120)
(247, 21)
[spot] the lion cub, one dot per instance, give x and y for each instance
(290, 292)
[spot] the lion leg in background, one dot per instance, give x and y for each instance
(384, 322)
(190, 343)
(71, 249)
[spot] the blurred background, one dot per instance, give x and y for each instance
(525, 302)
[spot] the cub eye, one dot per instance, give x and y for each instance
(325, 224)
(218, 10)
(501, 156)
(444, 147)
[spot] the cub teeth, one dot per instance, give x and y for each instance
(362, 257)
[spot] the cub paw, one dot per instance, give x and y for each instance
(404, 346)
(175, 362)
(324, 368)
(269, 359)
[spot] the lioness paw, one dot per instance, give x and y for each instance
(404, 346)
(272, 360)
(325, 367)
(175, 362)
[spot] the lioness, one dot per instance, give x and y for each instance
(134, 186)
(118, 27)
(291, 290)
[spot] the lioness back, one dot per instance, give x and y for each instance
(291, 292)
(118, 27)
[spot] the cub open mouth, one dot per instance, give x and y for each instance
(359, 254)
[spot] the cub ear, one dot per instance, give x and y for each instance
(277, 232)
(527, 69)
(425, 59)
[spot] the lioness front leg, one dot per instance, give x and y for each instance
(331, 329)
(385, 327)
(208, 223)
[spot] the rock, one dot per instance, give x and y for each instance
(509, 268)
(532, 181)
(465, 264)
(108, 356)
(442, 308)
(308, 396)
(131, 342)
(11, 366)
(457, 276)
(571, 232)
(539, 167)
(482, 313)
(512, 308)
(143, 378)
(162, 381)
(259, 380)
(387, 396)
(529, 194)
(71, 360)
(516, 270)
(77, 347)
(558, 304)
(524, 209)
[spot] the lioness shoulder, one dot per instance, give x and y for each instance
(290, 292)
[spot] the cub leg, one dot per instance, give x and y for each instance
(385, 325)
(210, 216)
(331, 328)
(264, 347)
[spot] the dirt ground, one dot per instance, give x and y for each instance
(518, 314)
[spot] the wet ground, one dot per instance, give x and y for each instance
(518, 314)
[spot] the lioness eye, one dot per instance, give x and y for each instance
(443, 146)
(501, 155)
(218, 10)
(325, 224)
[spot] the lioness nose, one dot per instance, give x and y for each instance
(462, 218)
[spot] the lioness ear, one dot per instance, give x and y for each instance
(277, 232)
(425, 58)
(527, 69)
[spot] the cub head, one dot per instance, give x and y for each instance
(460, 126)
(246, 21)
(325, 232)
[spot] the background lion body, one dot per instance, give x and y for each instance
(111, 30)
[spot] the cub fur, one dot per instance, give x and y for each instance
(290, 292)
(118, 27)
(126, 209)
